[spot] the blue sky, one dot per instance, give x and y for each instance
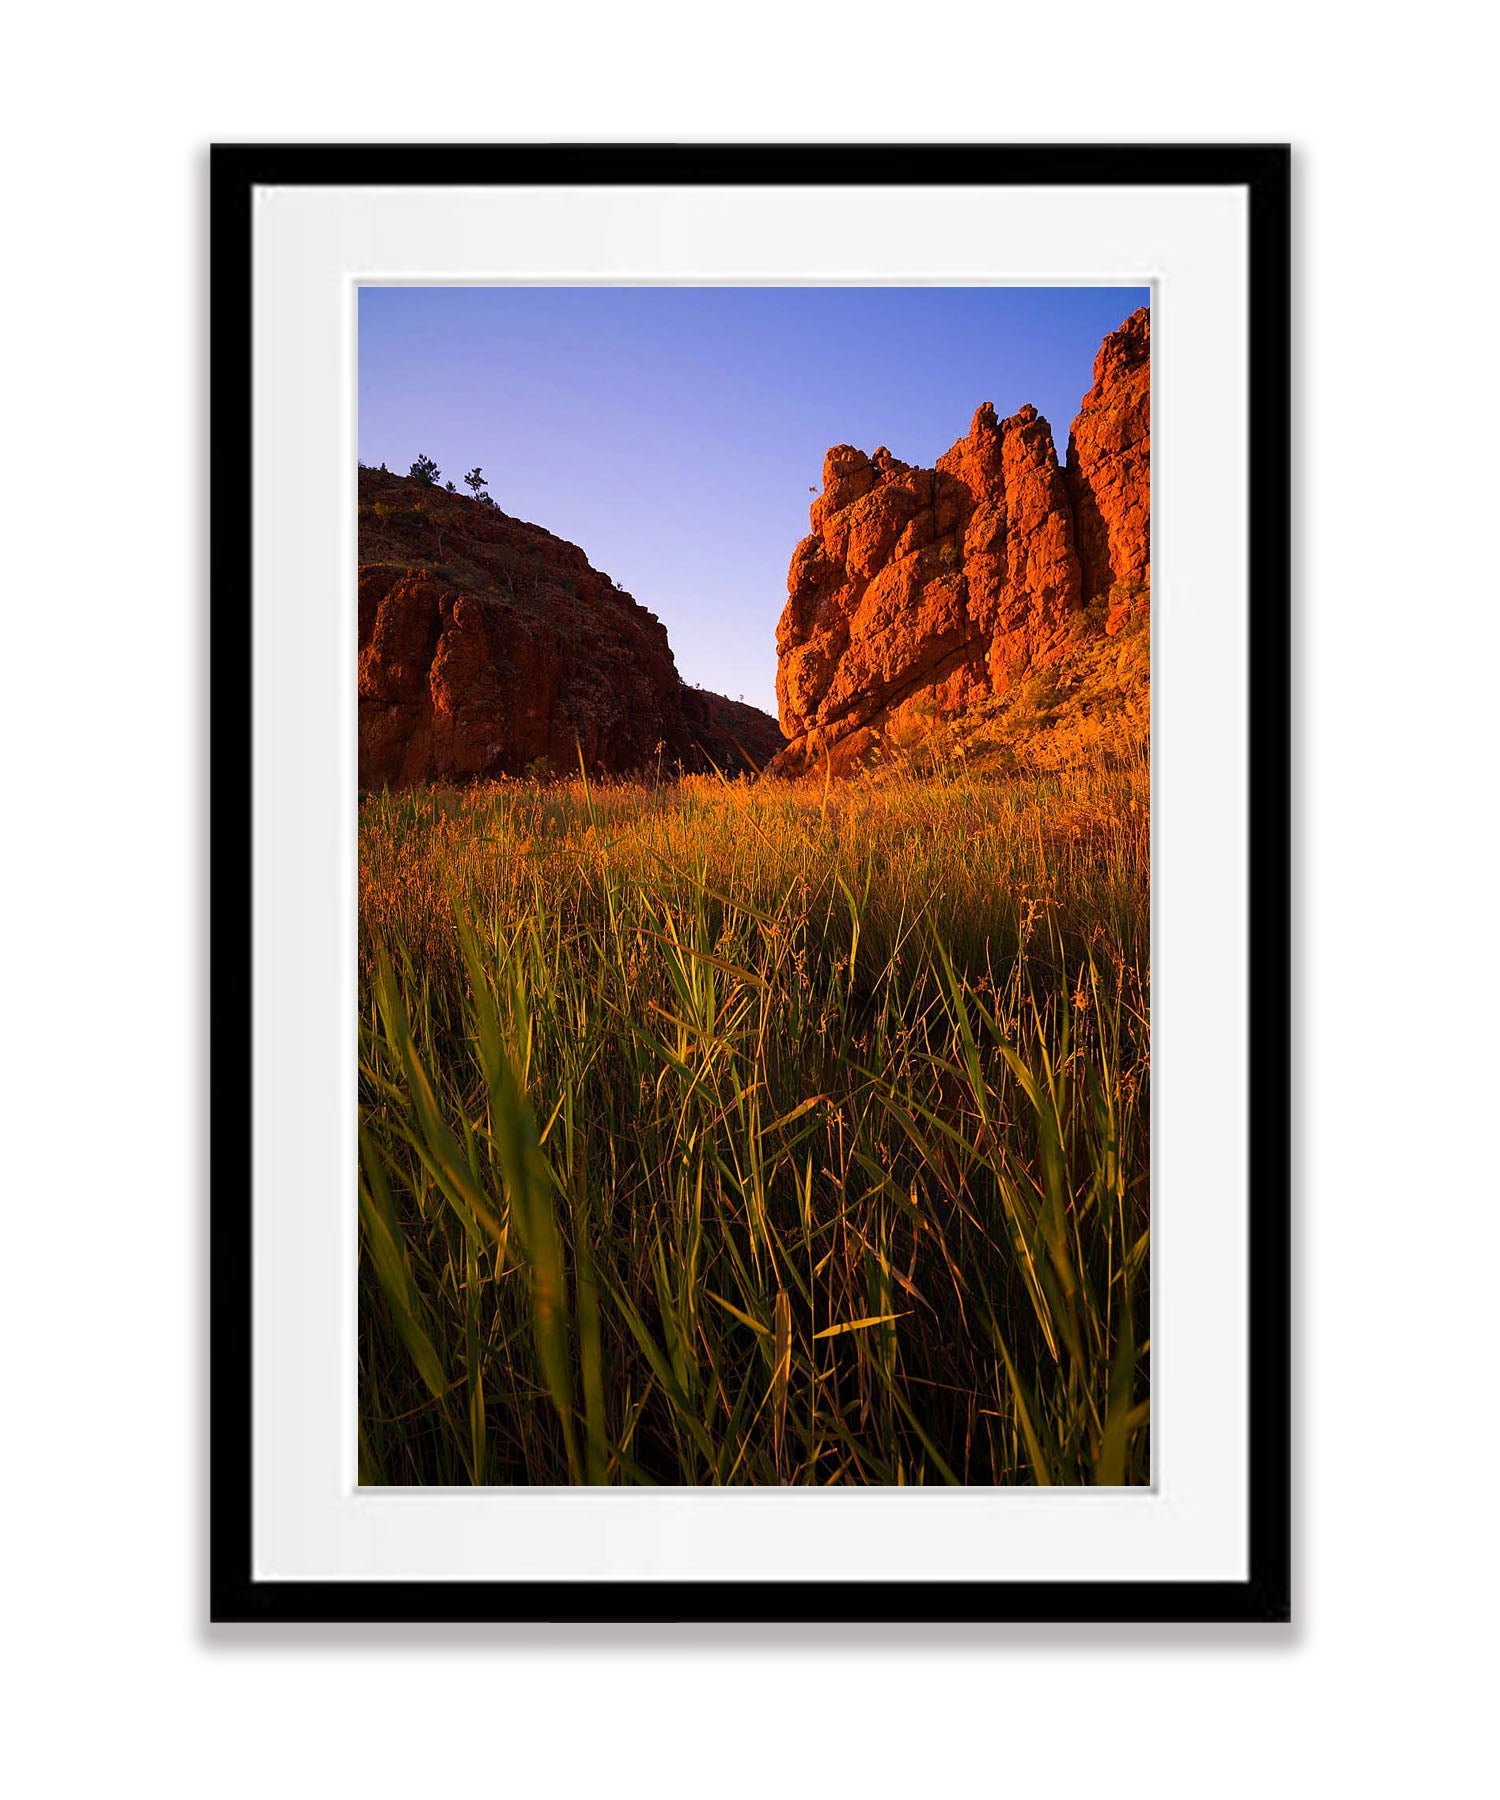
(674, 433)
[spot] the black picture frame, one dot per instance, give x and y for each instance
(1263, 172)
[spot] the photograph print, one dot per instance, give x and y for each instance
(754, 886)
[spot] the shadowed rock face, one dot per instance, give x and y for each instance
(921, 591)
(487, 645)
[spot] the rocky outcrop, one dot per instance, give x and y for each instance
(489, 647)
(730, 735)
(919, 592)
(1109, 473)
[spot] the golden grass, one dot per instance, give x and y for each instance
(730, 1132)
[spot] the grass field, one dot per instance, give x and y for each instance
(755, 1133)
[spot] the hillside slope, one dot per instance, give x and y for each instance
(489, 647)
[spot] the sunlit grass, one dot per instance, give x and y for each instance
(756, 1133)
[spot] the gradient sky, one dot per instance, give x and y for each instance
(674, 433)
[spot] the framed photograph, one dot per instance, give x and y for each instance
(750, 924)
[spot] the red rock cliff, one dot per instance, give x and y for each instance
(1109, 473)
(487, 646)
(920, 591)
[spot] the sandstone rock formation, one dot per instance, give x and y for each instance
(487, 647)
(920, 592)
(1109, 473)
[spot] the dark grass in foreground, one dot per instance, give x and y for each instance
(733, 1133)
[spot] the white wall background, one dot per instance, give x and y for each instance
(116, 1682)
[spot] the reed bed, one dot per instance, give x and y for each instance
(750, 1133)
